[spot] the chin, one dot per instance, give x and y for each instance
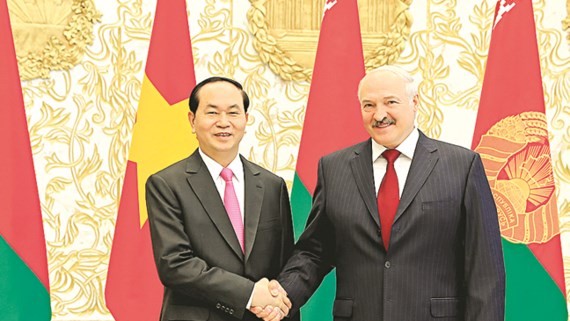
(386, 143)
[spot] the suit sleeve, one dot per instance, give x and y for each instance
(484, 266)
(287, 241)
(178, 267)
(313, 254)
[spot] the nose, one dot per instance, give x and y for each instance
(223, 120)
(379, 114)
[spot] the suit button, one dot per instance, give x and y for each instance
(218, 306)
(379, 232)
(387, 264)
(231, 311)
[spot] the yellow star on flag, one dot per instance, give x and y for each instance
(161, 136)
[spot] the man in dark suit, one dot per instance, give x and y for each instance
(409, 222)
(208, 255)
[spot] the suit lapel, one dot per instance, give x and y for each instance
(361, 165)
(201, 182)
(425, 158)
(254, 191)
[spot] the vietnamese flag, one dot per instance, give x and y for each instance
(332, 122)
(161, 136)
(511, 135)
(24, 283)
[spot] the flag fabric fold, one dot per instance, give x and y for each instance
(332, 121)
(511, 134)
(24, 282)
(161, 136)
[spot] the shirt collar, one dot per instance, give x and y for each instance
(407, 147)
(216, 169)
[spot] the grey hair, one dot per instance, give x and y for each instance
(411, 86)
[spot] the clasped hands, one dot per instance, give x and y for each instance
(269, 301)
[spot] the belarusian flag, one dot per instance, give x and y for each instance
(332, 109)
(161, 136)
(511, 134)
(24, 283)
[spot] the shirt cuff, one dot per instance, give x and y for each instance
(249, 301)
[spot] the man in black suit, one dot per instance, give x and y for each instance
(413, 232)
(207, 253)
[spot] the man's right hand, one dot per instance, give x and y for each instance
(269, 301)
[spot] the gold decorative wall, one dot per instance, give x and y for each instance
(566, 22)
(287, 31)
(51, 35)
(82, 64)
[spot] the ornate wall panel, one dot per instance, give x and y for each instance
(82, 80)
(82, 65)
(287, 31)
(51, 35)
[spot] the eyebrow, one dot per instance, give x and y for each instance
(216, 106)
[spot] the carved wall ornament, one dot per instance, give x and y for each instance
(286, 33)
(51, 35)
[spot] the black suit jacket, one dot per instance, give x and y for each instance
(445, 259)
(205, 274)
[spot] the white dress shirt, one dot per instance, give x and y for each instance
(401, 165)
(215, 170)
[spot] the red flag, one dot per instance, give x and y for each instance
(161, 136)
(24, 283)
(511, 135)
(332, 120)
(333, 103)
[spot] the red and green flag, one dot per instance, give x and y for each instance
(332, 106)
(511, 134)
(24, 283)
(161, 136)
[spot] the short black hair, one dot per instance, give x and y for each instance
(195, 101)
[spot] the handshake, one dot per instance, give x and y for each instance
(269, 301)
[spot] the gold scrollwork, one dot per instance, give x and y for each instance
(566, 22)
(286, 33)
(51, 35)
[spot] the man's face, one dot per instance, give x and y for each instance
(220, 119)
(388, 113)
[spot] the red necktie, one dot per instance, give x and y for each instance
(232, 206)
(388, 196)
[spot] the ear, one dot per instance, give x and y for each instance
(191, 118)
(415, 102)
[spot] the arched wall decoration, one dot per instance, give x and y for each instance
(286, 33)
(51, 35)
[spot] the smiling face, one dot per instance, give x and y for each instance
(219, 121)
(388, 111)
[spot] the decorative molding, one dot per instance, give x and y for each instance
(286, 33)
(51, 35)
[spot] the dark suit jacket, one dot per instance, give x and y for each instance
(205, 274)
(445, 259)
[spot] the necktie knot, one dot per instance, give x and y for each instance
(227, 174)
(391, 155)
